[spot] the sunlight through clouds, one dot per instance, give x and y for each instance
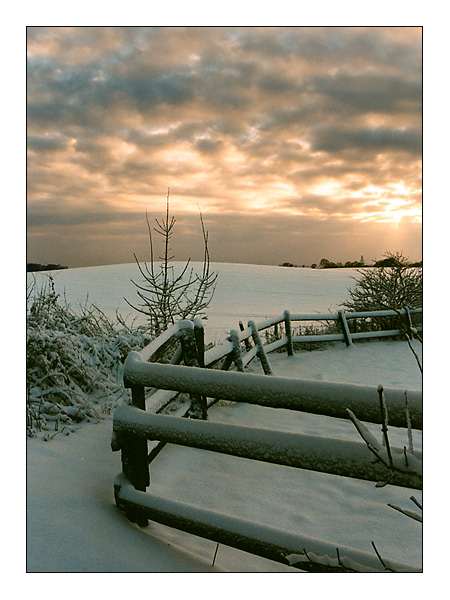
(297, 126)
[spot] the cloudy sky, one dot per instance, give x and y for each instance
(295, 143)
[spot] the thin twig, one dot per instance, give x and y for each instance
(414, 352)
(380, 559)
(416, 502)
(215, 554)
(408, 513)
(384, 426)
(408, 424)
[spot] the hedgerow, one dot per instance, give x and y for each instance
(74, 361)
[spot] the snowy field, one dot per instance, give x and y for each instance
(243, 291)
(72, 522)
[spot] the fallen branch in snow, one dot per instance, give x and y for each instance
(386, 568)
(416, 502)
(393, 459)
(327, 564)
(409, 513)
(324, 563)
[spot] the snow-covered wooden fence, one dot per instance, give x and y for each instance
(137, 425)
(343, 318)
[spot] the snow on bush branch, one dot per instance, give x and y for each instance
(74, 361)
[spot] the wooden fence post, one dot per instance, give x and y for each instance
(177, 356)
(135, 457)
(198, 408)
(345, 329)
(199, 335)
(227, 362)
(287, 326)
(248, 346)
(260, 353)
(236, 352)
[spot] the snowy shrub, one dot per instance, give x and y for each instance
(318, 328)
(394, 285)
(74, 361)
(315, 328)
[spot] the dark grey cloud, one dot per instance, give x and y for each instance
(208, 146)
(56, 213)
(374, 92)
(36, 142)
(377, 139)
(240, 120)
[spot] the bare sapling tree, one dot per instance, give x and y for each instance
(166, 293)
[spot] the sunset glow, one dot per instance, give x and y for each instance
(274, 134)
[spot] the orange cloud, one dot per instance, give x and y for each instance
(301, 125)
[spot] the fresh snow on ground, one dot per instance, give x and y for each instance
(374, 362)
(242, 292)
(73, 524)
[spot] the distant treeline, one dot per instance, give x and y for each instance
(325, 263)
(38, 267)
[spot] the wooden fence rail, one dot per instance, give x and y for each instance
(317, 397)
(324, 455)
(200, 386)
(155, 349)
(303, 552)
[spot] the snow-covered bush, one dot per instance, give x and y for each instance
(74, 361)
(316, 328)
(395, 285)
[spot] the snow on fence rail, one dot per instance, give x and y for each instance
(305, 553)
(133, 427)
(232, 348)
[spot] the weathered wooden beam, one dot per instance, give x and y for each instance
(317, 397)
(177, 355)
(345, 329)
(361, 335)
(199, 335)
(288, 330)
(276, 332)
(227, 362)
(217, 353)
(198, 408)
(312, 554)
(378, 313)
(321, 454)
(247, 343)
(261, 325)
(260, 352)
(134, 456)
(237, 355)
(249, 356)
(155, 345)
(325, 337)
(314, 317)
